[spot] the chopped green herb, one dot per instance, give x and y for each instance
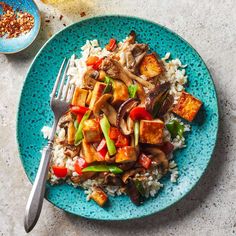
(175, 128)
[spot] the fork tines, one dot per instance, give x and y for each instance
(62, 92)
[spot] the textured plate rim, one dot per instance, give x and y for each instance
(145, 214)
(33, 39)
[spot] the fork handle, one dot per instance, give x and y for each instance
(35, 201)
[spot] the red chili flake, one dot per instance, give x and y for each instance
(61, 16)
(82, 14)
(14, 23)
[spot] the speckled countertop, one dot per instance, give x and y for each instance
(210, 209)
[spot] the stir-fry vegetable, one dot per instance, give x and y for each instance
(112, 45)
(108, 87)
(145, 161)
(175, 128)
(102, 148)
(79, 133)
(136, 133)
(77, 110)
(79, 165)
(60, 171)
(139, 186)
(78, 119)
(94, 61)
(122, 141)
(140, 113)
(132, 90)
(103, 168)
(105, 126)
(114, 133)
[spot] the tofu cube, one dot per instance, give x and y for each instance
(99, 197)
(151, 131)
(126, 154)
(150, 66)
(71, 133)
(97, 93)
(91, 131)
(89, 152)
(187, 106)
(79, 97)
(120, 92)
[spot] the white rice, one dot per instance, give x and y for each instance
(175, 74)
(46, 130)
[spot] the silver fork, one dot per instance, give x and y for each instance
(59, 103)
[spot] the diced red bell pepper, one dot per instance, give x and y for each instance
(114, 133)
(111, 46)
(92, 60)
(79, 165)
(79, 110)
(144, 161)
(140, 113)
(122, 141)
(60, 171)
(167, 147)
(79, 117)
(97, 64)
(102, 148)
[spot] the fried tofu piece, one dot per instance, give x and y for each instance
(88, 100)
(97, 93)
(71, 133)
(150, 66)
(89, 152)
(126, 154)
(151, 131)
(120, 92)
(187, 106)
(79, 97)
(91, 131)
(99, 196)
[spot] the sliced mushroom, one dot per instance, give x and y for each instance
(155, 96)
(134, 55)
(64, 121)
(115, 70)
(132, 37)
(81, 178)
(166, 105)
(110, 112)
(89, 79)
(139, 79)
(131, 173)
(141, 93)
(112, 179)
(126, 166)
(100, 103)
(125, 108)
(134, 193)
(71, 151)
(106, 108)
(158, 157)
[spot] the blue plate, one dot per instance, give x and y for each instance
(34, 112)
(14, 45)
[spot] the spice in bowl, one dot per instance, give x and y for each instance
(14, 23)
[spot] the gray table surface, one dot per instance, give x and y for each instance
(210, 209)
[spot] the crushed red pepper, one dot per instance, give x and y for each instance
(82, 14)
(14, 23)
